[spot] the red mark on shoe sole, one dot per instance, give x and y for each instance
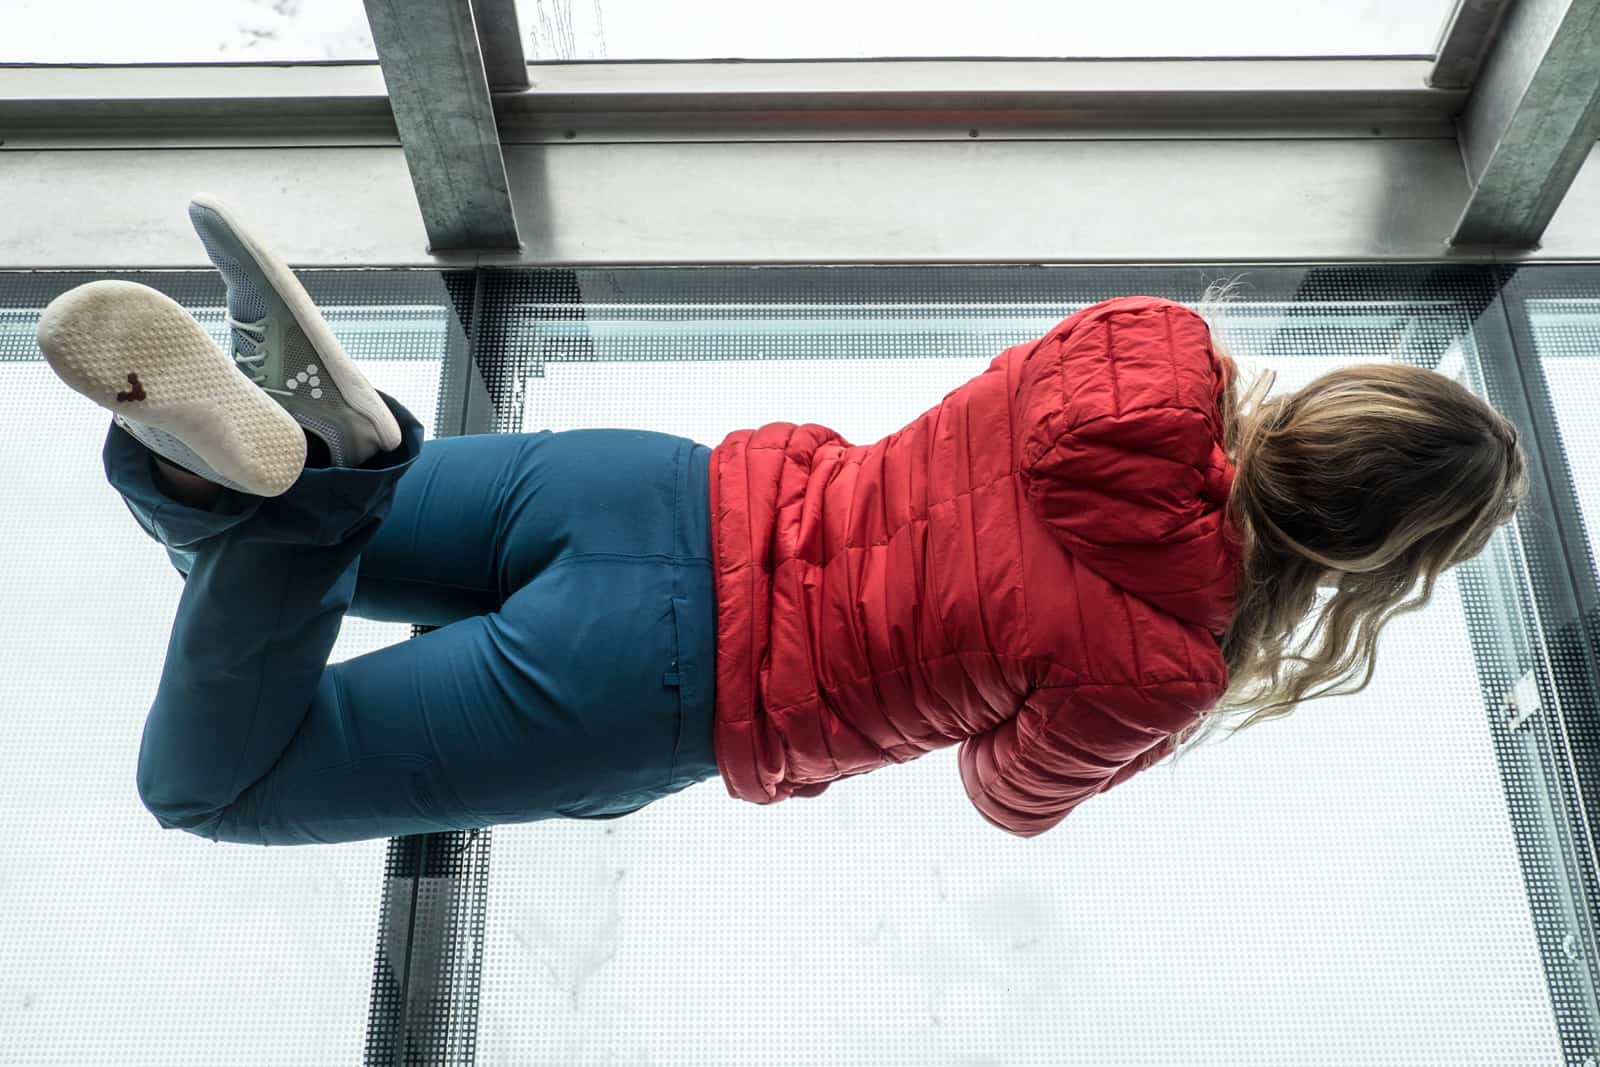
(136, 393)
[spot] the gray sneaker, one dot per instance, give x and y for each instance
(140, 355)
(283, 344)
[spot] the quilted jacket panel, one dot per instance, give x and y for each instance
(1036, 568)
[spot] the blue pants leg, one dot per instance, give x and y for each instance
(572, 674)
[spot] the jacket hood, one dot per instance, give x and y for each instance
(1122, 455)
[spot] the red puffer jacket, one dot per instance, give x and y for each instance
(1036, 568)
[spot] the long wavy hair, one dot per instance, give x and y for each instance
(1371, 478)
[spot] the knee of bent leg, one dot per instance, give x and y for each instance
(172, 809)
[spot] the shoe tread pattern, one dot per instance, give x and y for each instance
(139, 354)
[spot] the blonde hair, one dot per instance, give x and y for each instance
(1383, 473)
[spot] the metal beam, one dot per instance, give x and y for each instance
(1031, 201)
(1467, 35)
(1248, 201)
(198, 104)
(345, 103)
(1531, 121)
(872, 161)
(970, 99)
(500, 37)
(440, 95)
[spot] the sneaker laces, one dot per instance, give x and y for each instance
(256, 334)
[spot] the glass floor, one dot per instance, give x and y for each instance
(1402, 876)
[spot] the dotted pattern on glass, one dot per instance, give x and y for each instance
(892, 943)
(1350, 881)
(1557, 311)
(175, 944)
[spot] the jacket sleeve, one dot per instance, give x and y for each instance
(1068, 743)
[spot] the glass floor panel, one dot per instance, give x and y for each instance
(1338, 887)
(122, 942)
(1368, 880)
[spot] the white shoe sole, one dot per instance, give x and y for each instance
(139, 354)
(358, 393)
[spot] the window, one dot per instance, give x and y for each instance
(184, 31)
(1341, 886)
(1378, 878)
(124, 941)
(243, 31)
(839, 29)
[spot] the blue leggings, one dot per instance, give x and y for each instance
(572, 673)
